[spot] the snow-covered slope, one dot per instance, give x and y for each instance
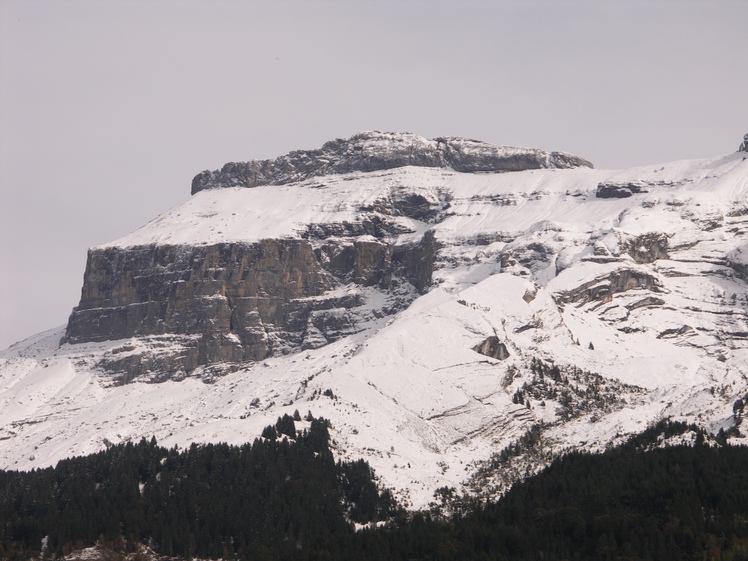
(639, 298)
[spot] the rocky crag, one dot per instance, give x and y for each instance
(241, 301)
(376, 151)
(236, 302)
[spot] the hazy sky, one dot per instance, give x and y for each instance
(108, 109)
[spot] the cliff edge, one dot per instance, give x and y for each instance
(375, 151)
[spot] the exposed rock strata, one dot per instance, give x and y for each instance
(614, 190)
(737, 259)
(493, 348)
(602, 289)
(647, 248)
(374, 151)
(237, 302)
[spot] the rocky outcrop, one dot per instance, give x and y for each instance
(493, 348)
(237, 302)
(374, 151)
(646, 248)
(526, 256)
(744, 146)
(602, 289)
(615, 190)
(737, 259)
(647, 302)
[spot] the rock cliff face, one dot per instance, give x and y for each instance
(375, 151)
(239, 302)
(612, 190)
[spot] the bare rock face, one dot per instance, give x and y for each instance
(614, 190)
(744, 146)
(236, 302)
(647, 248)
(373, 151)
(493, 348)
(603, 288)
(737, 260)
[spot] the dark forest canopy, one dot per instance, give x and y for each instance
(277, 494)
(286, 498)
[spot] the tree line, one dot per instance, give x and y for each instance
(264, 500)
(284, 497)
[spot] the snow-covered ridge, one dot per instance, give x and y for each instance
(377, 151)
(455, 204)
(641, 302)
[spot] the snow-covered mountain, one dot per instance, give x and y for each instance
(435, 299)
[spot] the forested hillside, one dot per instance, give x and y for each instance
(286, 498)
(634, 502)
(274, 497)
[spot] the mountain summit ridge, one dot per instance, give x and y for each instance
(377, 151)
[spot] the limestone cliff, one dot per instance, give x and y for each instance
(237, 302)
(374, 151)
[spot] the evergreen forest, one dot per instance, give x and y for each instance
(284, 497)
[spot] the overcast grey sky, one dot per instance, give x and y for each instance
(108, 109)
